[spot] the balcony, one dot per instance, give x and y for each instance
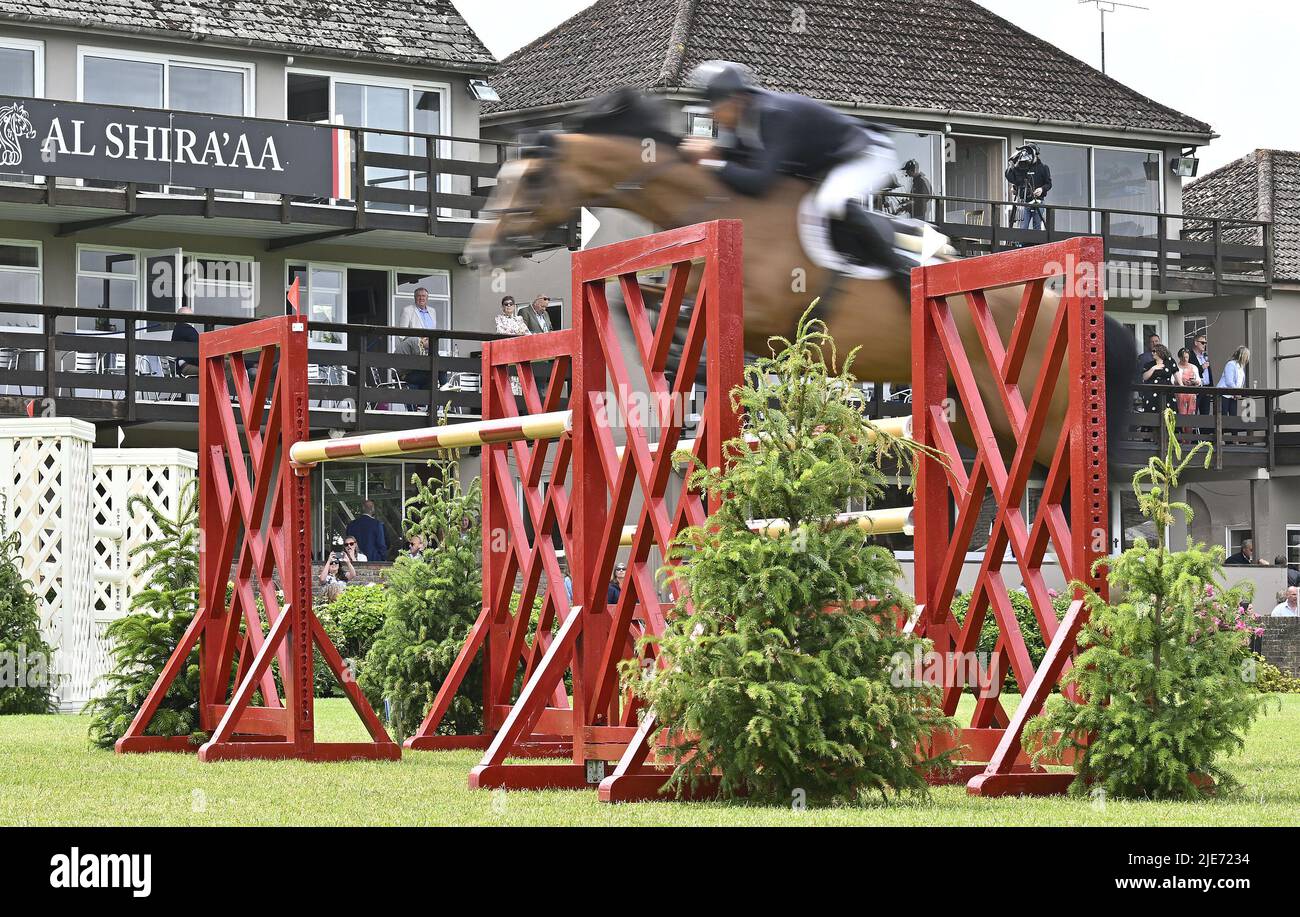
(1146, 252)
(127, 370)
(392, 186)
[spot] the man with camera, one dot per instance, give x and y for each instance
(1030, 180)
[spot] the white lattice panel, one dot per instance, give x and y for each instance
(158, 475)
(45, 472)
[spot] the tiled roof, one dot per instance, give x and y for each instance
(946, 55)
(428, 32)
(1263, 185)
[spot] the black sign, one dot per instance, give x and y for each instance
(150, 146)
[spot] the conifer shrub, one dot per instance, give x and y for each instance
(143, 640)
(777, 672)
(26, 677)
(1165, 674)
(433, 601)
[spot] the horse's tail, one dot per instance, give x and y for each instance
(1121, 370)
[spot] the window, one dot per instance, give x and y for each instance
(1293, 547)
(1234, 536)
(1128, 180)
(924, 148)
(1071, 184)
(20, 282)
(382, 105)
(22, 74)
(221, 285)
(21, 68)
(146, 81)
(973, 169)
(106, 279)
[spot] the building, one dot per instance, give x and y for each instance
(950, 82)
(212, 155)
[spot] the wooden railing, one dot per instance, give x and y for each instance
(1173, 251)
(1241, 423)
(73, 362)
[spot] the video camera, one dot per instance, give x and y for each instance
(1023, 155)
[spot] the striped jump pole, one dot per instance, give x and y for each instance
(552, 425)
(897, 520)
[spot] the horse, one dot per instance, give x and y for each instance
(613, 160)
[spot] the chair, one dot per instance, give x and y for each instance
(388, 378)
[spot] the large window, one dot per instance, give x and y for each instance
(20, 282)
(925, 150)
(383, 105)
(1126, 182)
(160, 82)
(342, 293)
(1071, 184)
(109, 278)
(22, 74)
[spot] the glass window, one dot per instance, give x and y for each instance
(1070, 184)
(308, 97)
(325, 301)
(20, 282)
(221, 286)
(112, 81)
(18, 71)
(1128, 180)
(973, 170)
(205, 89)
(922, 149)
(106, 279)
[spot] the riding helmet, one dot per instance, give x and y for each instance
(720, 79)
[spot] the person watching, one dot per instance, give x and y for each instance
(184, 333)
(1289, 607)
(369, 533)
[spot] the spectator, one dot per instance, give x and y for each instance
(536, 318)
(351, 552)
(1244, 557)
(183, 332)
(509, 321)
(415, 544)
(616, 584)
(917, 183)
(1160, 372)
(1202, 359)
(372, 541)
(418, 315)
(1289, 607)
(1188, 373)
(1292, 574)
(1234, 376)
(334, 575)
(1147, 357)
(1030, 180)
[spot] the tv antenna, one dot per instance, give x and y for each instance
(1109, 6)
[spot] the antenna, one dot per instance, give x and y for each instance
(1109, 6)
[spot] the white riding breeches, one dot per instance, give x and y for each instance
(858, 179)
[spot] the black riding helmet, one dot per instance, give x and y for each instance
(720, 80)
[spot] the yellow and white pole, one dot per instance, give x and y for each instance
(450, 436)
(896, 520)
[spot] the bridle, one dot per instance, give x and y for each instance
(611, 198)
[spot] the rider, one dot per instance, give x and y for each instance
(769, 134)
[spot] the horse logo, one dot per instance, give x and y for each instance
(14, 126)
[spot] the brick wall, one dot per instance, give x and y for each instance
(1281, 644)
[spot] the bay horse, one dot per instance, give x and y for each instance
(620, 163)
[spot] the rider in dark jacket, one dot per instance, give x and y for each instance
(770, 134)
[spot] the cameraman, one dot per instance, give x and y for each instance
(1030, 180)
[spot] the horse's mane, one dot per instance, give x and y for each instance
(624, 112)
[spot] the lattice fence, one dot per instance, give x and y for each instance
(45, 474)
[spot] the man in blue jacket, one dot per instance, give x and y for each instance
(372, 541)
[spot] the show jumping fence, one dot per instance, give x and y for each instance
(555, 473)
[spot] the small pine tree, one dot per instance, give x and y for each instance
(26, 676)
(778, 669)
(143, 640)
(1162, 678)
(433, 601)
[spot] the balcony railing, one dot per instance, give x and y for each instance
(1169, 252)
(122, 366)
(1243, 425)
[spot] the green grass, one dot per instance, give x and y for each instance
(50, 775)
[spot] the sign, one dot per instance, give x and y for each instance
(156, 147)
